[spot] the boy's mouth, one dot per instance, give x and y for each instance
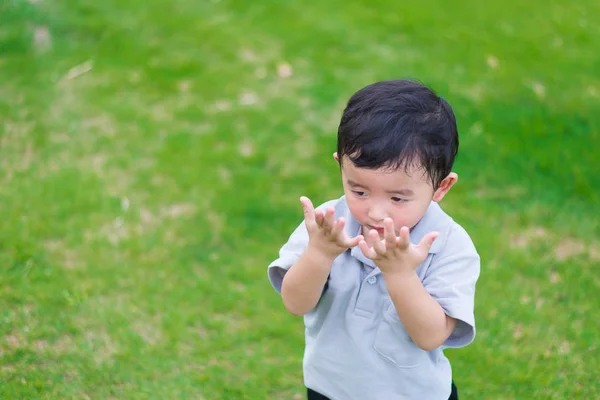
(378, 229)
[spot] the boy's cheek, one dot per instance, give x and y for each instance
(357, 212)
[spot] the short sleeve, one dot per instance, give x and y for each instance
(451, 279)
(288, 255)
(292, 250)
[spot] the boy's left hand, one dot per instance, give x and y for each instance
(396, 254)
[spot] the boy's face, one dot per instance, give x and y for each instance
(403, 196)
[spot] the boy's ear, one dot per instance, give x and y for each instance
(445, 186)
(336, 158)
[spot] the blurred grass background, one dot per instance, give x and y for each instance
(152, 155)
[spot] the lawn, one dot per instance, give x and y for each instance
(152, 155)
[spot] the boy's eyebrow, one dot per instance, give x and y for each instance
(402, 192)
(352, 183)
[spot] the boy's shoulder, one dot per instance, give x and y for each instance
(453, 237)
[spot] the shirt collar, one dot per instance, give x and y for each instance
(434, 220)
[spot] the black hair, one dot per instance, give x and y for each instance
(399, 123)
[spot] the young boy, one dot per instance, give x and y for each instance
(384, 278)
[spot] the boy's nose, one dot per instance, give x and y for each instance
(377, 214)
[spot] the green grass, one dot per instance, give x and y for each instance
(152, 157)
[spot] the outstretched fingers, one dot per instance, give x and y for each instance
(309, 211)
(369, 252)
(403, 240)
(317, 219)
(329, 219)
(338, 227)
(425, 243)
(389, 233)
(378, 244)
(352, 242)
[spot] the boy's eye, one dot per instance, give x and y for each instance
(358, 193)
(398, 200)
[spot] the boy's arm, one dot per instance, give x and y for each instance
(439, 310)
(303, 283)
(423, 317)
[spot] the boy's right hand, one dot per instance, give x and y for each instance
(325, 233)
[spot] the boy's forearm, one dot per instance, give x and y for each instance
(422, 316)
(303, 283)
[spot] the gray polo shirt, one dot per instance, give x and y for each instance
(356, 345)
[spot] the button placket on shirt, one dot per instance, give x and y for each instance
(369, 296)
(369, 293)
